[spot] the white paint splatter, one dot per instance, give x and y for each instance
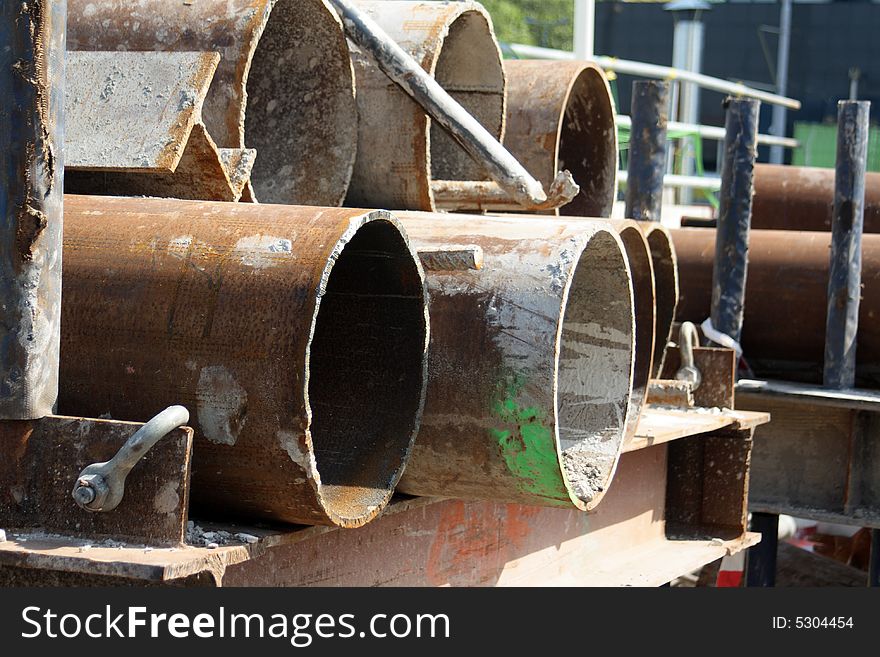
(262, 251)
(222, 405)
(167, 500)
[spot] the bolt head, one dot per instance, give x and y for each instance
(83, 494)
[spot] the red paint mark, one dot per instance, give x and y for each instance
(476, 539)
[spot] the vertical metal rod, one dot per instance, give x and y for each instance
(584, 29)
(874, 564)
(777, 153)
(734, 216)
(761, 561)
(32, 47)
(647, 150)
(847, 219)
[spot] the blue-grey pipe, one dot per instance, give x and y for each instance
(847, 222)
(32, 45)
(734, 216)
(647, 150)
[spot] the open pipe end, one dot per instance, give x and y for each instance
(469, 67)
(595, 369)
(587, 144)
(301, 114)
(366, 370)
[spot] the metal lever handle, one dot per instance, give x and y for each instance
(101, 486)
(687, 340)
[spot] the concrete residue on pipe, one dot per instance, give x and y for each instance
(531, 362)
(284, 85)
(296, 335)
(32, 80)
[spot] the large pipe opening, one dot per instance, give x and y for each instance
(366, 372)
(595, 369)
(469, 67)
(587, 145)
(301, 111)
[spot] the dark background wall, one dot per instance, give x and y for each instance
(827, 40)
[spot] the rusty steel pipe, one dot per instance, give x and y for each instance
(31, 204)
(400, 150)
(296, 336)
(801, 198)
(486, 151)
(284, 86)
(531, 362)
(641, 265)
(560, 116)
(785, 310)
(667, 286)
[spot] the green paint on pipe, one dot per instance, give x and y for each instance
(529, 450)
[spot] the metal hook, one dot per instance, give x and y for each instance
(101, 486)
(687, 340)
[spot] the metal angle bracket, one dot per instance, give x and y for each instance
(42, 463)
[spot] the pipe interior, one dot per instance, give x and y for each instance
(595, 368)
(643, 296)
(666, 283)
(301, 112)
(588, 146)
(469, 67)
(366, 366)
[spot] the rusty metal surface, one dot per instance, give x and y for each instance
(42, 460)
(800, 198)
(784, 325)
(420, 541)
(31, 181)
(560, 115)
(135, 127)
(667, 286)
(708, 485)
(296, 337)
(134, 110)
(201, 175)
(400, 150)
(815, 461)
(530, 365)
(284, 85)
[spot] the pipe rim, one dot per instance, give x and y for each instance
(276, 155)
(638, 254)
(457, 15)
(590, 84)
(587, 489)
(394, 453)
(665, 264)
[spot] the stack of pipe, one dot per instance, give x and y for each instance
(298, 336)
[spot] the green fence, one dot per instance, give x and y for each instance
(819, 145)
